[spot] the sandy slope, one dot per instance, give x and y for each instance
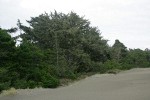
(129, 85)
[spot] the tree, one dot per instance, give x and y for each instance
(71, 38)
(7, 52)
(7, 48)
(119, 51)
(138, 58)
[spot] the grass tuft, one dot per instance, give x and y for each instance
(11, 91)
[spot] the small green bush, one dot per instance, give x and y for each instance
(51, 82)
(97, 67)
(112, 64)
(20, 84)
(70, 75)
(4, 86)
(32, 84)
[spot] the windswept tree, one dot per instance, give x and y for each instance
(119, 51)
(74, 43)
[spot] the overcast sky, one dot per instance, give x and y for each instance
(126, 20)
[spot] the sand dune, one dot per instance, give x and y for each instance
(128, 85)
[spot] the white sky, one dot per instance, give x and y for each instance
(126, 20)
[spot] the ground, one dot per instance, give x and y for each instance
(127, 85)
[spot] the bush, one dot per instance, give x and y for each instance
(4, 86)
(32, 84)
(20, 84)
(97, 67)
(50, 82)
(112, 64)
(70, 75)
(126, 66)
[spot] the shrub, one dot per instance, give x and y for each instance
(70, 75)
(20, 84)
(112, 64)
(51, 82)
(32, 84)
(4, 86)
(97, 67)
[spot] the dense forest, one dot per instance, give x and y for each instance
(59, 46)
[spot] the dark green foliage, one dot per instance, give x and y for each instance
(20, 84)
(31, 84)
(72, 42)
(127, 59)
(4, 86)
(137, 58)
(119, 51)
(69, 74)
(7, 48)
(50, 82)
(112, 64)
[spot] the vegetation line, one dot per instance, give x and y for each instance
(57, 47)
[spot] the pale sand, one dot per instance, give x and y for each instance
(129, 85)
